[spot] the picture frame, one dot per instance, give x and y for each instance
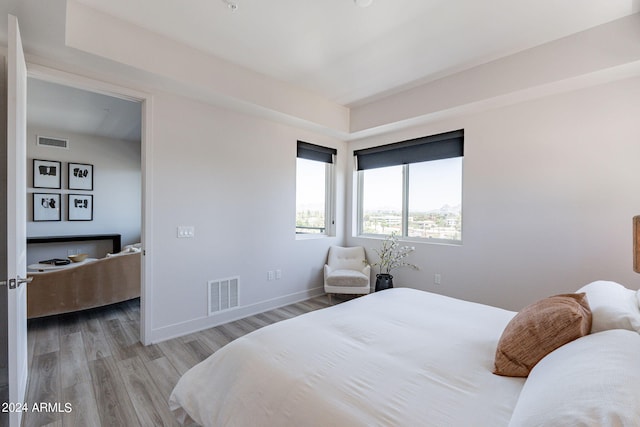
(80, 176)
(46, 207)
(80, 207)
(47, 174)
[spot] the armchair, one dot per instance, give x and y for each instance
(346, 272)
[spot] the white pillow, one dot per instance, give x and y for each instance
(612, 306)
(592, 381)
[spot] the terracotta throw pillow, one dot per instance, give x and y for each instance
(539, 329)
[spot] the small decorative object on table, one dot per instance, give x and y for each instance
(78, 257)
(391, 256)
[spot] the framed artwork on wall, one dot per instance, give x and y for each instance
(80, 207)
(80, 176)
(46, 207)
(47, 174)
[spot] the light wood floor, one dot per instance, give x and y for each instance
(94, 361)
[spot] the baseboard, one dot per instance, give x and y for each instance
(195, 325)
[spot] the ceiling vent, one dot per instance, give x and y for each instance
(45, 141)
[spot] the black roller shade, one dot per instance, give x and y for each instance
(433, 147)
(315, 152)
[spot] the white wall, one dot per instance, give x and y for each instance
(549, 191)
(116, 187)
(232, 177)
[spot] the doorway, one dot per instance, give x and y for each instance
(111, 115)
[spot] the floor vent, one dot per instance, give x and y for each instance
(45, 141)
(223, 294)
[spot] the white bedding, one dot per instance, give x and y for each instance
(400, 357)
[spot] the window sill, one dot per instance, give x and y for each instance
(413, 240)
(310, 236)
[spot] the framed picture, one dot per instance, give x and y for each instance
(47, 174)
(80, 207)
(80, 176)
(46, 207)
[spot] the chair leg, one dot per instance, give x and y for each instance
(329, 295)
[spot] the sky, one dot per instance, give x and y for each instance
(431, 185)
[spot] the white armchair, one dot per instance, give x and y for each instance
(346, 272)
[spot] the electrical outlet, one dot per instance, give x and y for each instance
(278, 274)
(270, 275)
(437, 278)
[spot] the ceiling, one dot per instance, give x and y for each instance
(348, 55)
(352, 55)
(65, 109)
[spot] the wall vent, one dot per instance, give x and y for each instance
(45, 141)
(223, 294)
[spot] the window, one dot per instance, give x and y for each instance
(412, 188)
(314, 189)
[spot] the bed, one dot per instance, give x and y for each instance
(404, 357)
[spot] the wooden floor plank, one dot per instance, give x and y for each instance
(293, 310)
(180, 356)
(69, 324)
(199, 349)
(256, 323)
(216, 336)
(264, 318)
(118, 338)
(44, 387)
(150, 407)
(114, 405)
(47, 338)
(277, 315)
(96, 345)
(164, 375)
(73, 361)
(84, 409)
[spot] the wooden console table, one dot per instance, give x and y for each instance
(116, 239)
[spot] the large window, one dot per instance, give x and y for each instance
(314, 189)
(412, 188)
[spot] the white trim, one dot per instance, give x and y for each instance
(146, 237)
(184, 328)
(52, 75)
(330, 198)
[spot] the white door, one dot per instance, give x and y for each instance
(16, 218)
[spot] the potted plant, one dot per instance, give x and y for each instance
(392, 256)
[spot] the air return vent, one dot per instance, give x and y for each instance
(223, 294)
(46, 141)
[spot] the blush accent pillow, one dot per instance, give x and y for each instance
(613, 306)
(592, 381)
(538, 329)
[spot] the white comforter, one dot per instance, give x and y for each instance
(400, 357)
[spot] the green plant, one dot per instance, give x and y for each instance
(392, 255)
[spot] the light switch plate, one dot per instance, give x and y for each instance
(186, 231)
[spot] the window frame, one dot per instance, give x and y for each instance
(320, 154)
(399, 154)
(404, 227)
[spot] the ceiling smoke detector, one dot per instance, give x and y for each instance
(363, 3)
(231, 5)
